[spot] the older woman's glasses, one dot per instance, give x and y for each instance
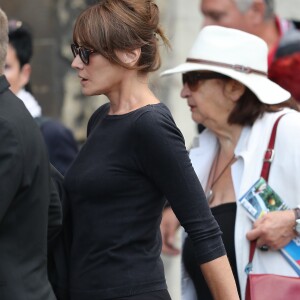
(192, 78)
(83, 53)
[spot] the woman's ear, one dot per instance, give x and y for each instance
(234, 90)
(130, 57)
(25, 74)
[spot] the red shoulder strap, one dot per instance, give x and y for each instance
(269, 156)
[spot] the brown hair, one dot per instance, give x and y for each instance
(249, 108)
(123, 25)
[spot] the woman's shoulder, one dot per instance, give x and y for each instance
(156, 120)
(158, 109)
(292, 116)
(289, 117)
(154, 115)
(288, 126)
(290, 120)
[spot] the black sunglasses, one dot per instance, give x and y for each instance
(192, 78)
(83, 53)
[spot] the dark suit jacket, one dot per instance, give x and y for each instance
(26, 199)
(59, 246)
(60, 142)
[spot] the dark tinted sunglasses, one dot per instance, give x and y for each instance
(192, 78)
(83, 53)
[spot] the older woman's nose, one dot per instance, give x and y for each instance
(185, 91)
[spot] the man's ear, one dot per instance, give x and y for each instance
(257, 11)
(25, 74)
(234, 90)
(130, 57)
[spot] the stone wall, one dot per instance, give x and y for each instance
(54, 83)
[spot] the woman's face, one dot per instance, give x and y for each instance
(99, 76)
(208, 101)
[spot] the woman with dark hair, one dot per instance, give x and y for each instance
(133, 158)
(226, 86)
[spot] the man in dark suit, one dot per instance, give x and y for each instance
(30, 210)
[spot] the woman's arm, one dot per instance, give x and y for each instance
(219, 278)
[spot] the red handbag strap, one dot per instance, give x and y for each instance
(269, 156)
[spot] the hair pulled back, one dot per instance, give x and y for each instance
(122, 25)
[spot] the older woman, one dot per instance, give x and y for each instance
(133, 158)
(226, 86)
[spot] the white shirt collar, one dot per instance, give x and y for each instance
(30, 103)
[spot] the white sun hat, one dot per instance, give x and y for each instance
(237, 54)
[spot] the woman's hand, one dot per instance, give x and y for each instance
(168, 227)
(274, 229)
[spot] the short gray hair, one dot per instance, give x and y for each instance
(3, 39)
(244, 5)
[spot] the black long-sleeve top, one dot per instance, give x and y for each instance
(116, 188)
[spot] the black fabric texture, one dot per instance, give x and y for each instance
(117, 188)
(30, 210)
(61, 145)
(225, 216)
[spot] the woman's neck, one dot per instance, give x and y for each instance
(228, 138)
(132, 94)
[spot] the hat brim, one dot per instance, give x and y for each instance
(267, 91)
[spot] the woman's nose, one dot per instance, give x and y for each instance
(77, 63)
(185, 91)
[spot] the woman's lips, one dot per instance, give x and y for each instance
(82, 80)
(192, 107)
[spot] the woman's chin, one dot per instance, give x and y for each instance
(91, 93)
(87, 92)
(196, 118)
